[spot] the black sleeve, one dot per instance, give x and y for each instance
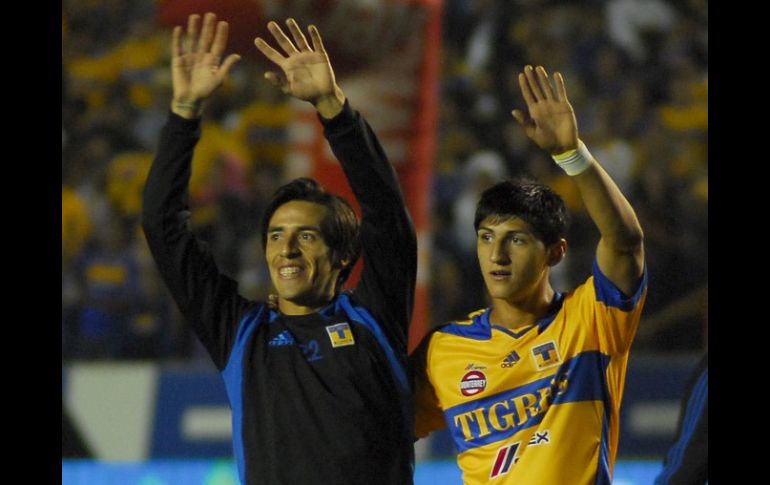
(388, 240)
(428, 415)
(208, 300)
(686, 462)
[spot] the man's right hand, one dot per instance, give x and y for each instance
(195, 63)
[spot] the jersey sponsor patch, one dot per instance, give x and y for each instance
(473, 383)
(546, 355)
(340, 334)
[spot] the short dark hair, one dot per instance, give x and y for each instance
(530, 201)
(340, 228)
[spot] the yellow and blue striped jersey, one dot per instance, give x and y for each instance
(537, 406)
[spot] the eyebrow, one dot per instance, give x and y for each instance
(514, 231)
(299, 228)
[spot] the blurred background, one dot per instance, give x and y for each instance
(437, 81)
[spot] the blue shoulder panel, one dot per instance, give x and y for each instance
(362, 316)
(610, 295)
(233, 377)
(478, 329)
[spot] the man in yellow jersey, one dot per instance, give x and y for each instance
(530, 387)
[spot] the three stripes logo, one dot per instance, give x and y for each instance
(511, 359)
(506, 458)
(282, 339)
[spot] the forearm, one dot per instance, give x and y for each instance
(609, 209)
(165, 204)
(620, 252)
(388, 239)
(208, 300)
(367, 168)
(166, 189)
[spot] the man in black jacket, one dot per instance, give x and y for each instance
(316, 382)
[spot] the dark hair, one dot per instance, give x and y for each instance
(340, 227)
(530, 201)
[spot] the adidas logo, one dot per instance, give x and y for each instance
(511, 359)
(283, 338)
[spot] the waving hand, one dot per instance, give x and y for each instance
(195, 63)
(306, 72)
(550, 122)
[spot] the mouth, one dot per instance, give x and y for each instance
(289, 272)
(500, 274)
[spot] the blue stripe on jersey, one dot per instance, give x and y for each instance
(603, 468)
(233, 377)
(273, 316)
(494, 418)
(693, 413)
(511, 332)
(362, 316)
(610, 295)
(478, 329)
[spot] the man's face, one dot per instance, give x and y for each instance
(513, 261)
(299, 260)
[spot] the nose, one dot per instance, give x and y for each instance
(290, 248)
(498, 254)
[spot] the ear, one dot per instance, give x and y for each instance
(556, 252)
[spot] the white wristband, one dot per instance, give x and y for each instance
(576, 161)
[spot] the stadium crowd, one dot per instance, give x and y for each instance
(638, 76)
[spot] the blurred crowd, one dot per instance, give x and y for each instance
(637, 75)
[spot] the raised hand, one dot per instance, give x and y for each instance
(195, 63)
(550, 121)
(306, 72)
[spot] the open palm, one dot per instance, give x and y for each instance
(550, 121)
(306, 72)
(195, 66)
